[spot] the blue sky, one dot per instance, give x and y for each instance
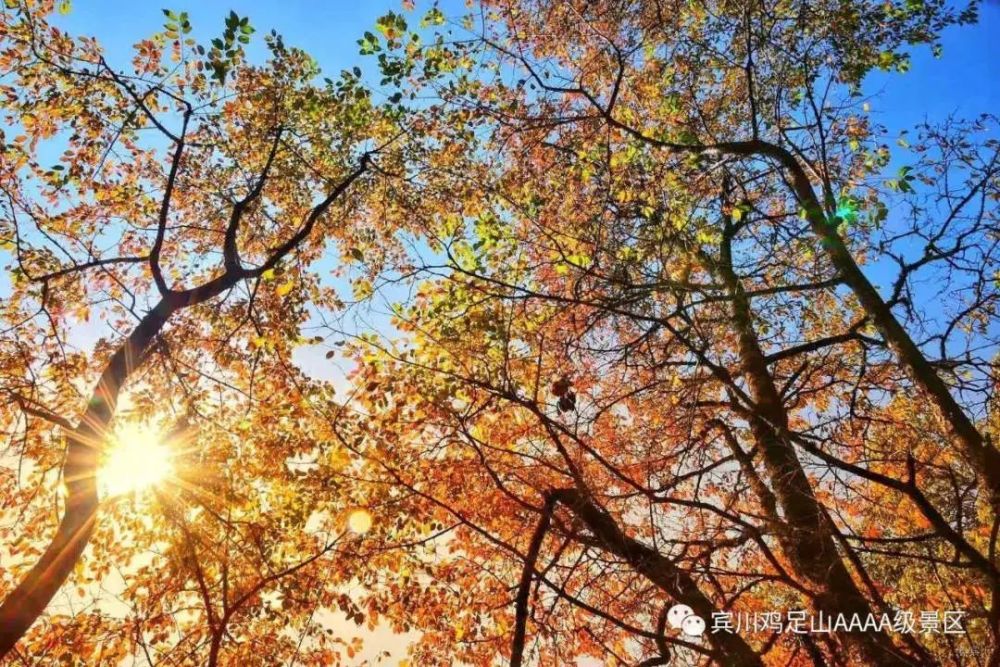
(327, 30)
(965, 80)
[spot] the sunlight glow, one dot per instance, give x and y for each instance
(360, 521)
(136, 460)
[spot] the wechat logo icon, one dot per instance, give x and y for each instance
(682, 617)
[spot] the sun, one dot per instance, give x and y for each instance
(136, 460)
(359, 521)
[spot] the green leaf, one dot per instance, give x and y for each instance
(433, 17)
(391, 25)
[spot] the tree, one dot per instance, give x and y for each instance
(184, 202)
(652, 317)
(670, 325)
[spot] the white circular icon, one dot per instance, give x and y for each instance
(677, 614)
(693, 626)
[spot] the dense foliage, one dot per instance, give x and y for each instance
(641, 308)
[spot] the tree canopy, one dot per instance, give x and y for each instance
(640, 307)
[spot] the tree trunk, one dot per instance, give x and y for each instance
(805, 536)
(982, 455)
(27, 602)
(678, 584)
